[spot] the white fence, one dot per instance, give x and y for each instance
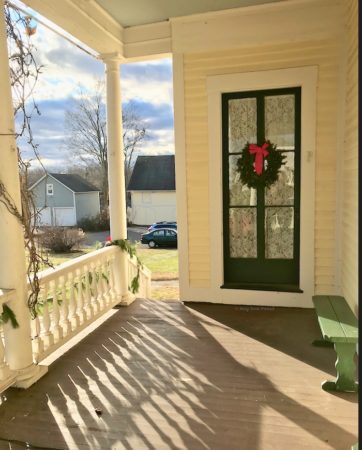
(72, 296)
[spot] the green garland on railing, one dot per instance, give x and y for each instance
(126, 246)
(8, 316)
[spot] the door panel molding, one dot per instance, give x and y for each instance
(306, 78)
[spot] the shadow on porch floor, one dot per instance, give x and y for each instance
(165, 376)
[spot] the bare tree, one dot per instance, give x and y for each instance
(87, 137)
(134, 132)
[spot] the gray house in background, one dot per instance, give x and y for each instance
(64, 199)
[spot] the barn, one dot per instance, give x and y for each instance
(152, 189)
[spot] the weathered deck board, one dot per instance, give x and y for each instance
(167, 376)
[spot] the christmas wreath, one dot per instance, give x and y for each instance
(260, 165)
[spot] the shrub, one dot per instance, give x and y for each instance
(98, 223)
(61, 239)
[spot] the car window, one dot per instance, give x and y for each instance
(170, 233)
(159, 233)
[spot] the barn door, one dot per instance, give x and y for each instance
(261, 229)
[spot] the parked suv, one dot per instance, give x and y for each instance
(157, 225)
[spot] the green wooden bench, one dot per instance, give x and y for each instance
(339, 328)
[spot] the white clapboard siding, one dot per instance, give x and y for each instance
(350, 162)
(197, 66)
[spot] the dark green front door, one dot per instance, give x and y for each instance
(261, 226)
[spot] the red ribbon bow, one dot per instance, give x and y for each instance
(260, 154)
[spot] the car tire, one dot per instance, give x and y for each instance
(152, 244)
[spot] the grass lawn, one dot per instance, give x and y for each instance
(165, 293)
(59, 258)
(163, 263)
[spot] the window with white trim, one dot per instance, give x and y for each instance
(50, 189)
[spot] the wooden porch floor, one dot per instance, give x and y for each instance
(168, 376)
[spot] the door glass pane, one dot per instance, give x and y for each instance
(279, 232)
(279, 120)
(242, 232)
(282, 191)
(239, 194)
(242, 123)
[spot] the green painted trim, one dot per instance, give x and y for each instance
(261, 273)
(263, 287)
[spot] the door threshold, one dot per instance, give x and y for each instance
(263, 287)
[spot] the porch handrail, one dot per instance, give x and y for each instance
(73, 264)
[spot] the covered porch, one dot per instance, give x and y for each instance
(162, 375)
(168, 374)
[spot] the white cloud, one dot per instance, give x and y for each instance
(66, 68)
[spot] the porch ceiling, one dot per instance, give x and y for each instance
(135, 30)
(142, 12)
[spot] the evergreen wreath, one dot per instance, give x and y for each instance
(260, 166)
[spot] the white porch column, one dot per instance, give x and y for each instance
(116, 177)
(18, 349)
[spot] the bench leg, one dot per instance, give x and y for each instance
(345, 369)
(322, 343)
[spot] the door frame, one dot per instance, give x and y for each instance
(306, 77)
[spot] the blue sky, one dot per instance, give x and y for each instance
(148, 85)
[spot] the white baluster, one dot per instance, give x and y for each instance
(37, 343)
(110, 265)
(55, 315)
(98, 278)
(64, 309)
(104, 282)
(87, 293)
(130, 270)
(46, 335)
(73, 317)
(108, 281)
(80, 303)
(4, 368)
(94, 289)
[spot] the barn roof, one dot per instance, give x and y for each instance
(153, 173)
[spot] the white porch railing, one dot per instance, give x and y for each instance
(7, 376)
(72, 296)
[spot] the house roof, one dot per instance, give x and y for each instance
(153, 173)
(74, 182)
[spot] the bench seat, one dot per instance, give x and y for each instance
(339, 327)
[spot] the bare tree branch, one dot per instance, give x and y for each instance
(87, 141)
